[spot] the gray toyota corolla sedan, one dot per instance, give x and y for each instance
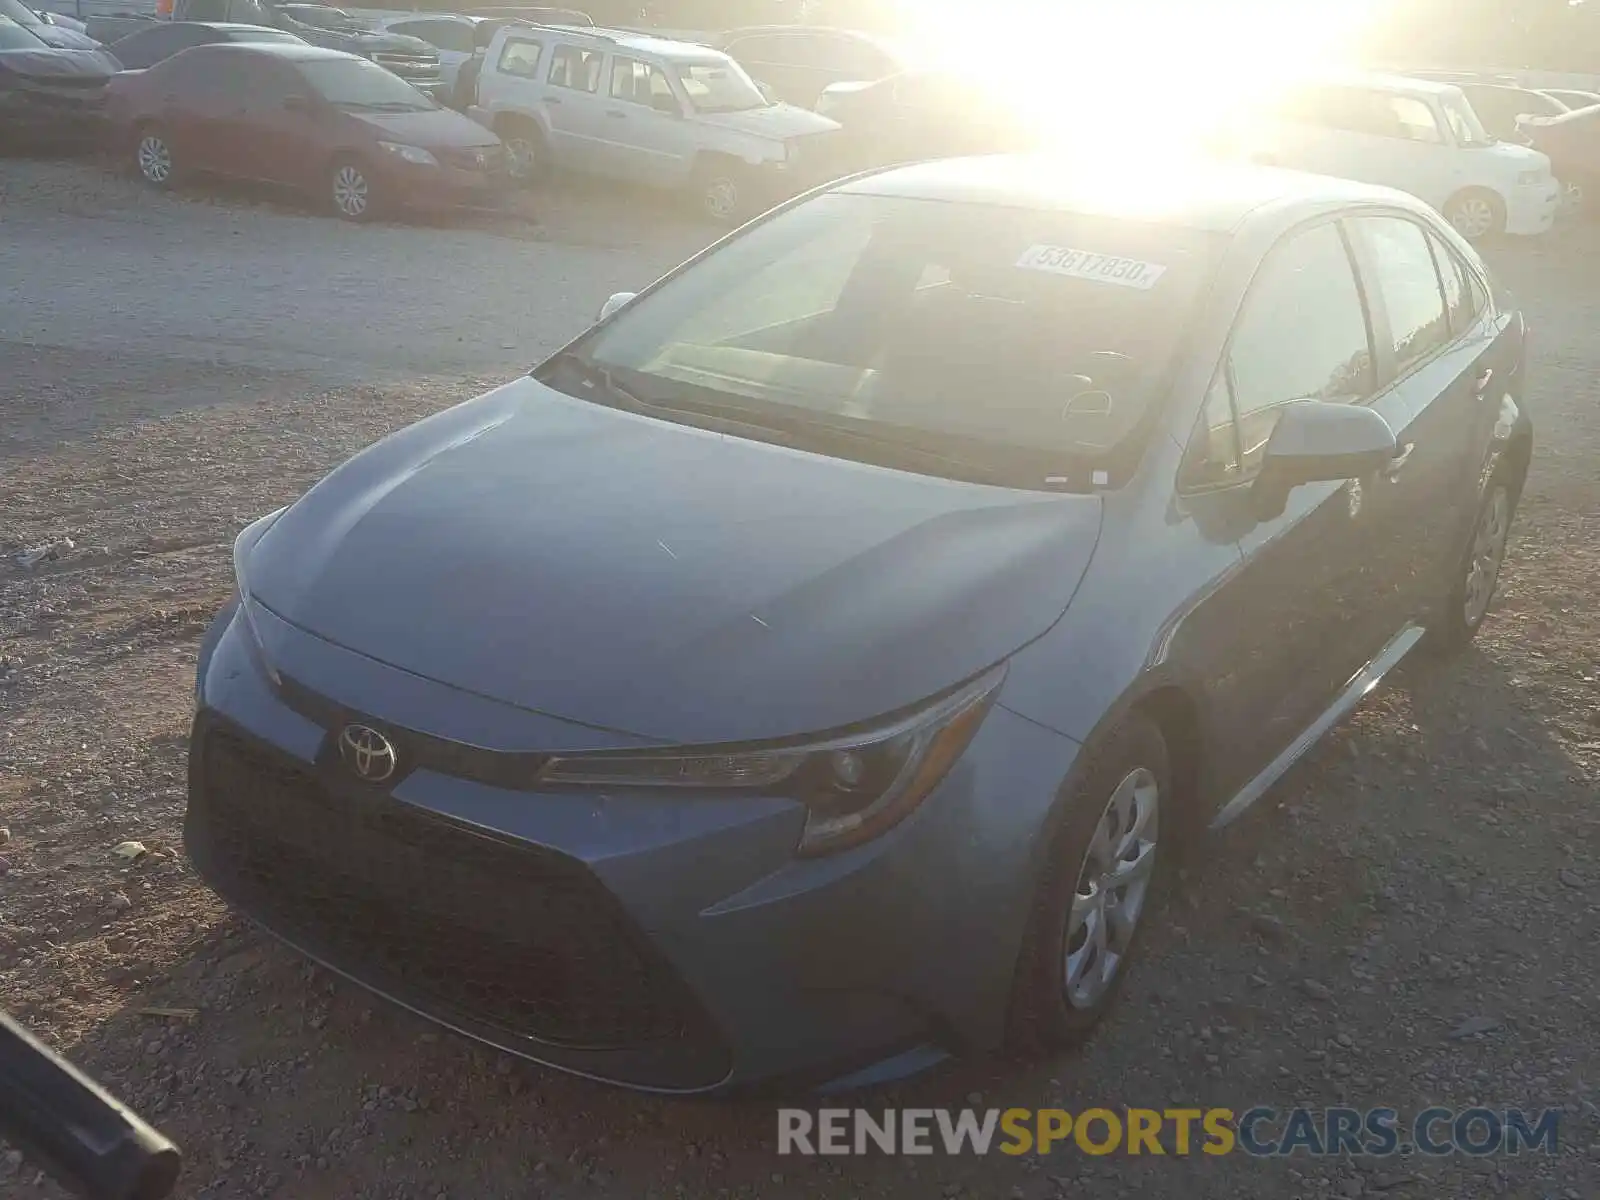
(809, 671)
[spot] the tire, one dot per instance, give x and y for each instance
(722, 192)
(153, 158)
(1471, 589)
(527, 151)
(1058, 997)
(352, 193)
(1476, 213)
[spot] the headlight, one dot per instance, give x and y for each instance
(242, 545)
(1528, 178)
(411, 154)
(854, 786)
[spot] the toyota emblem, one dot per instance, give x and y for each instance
(367, 752)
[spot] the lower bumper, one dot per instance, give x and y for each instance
(662, 943)
(442, 189)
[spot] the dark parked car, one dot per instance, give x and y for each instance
(1499, 107)
(49, 96)
(810, 667)
(165, 38)
(62, 37)
(920, 115)
(797, 62)
(334, 126)
(1572, 144)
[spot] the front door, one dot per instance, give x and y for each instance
(648, 137)
(1305, 577)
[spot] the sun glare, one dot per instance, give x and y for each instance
(1142, 77)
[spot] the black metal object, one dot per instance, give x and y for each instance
(76, 1130)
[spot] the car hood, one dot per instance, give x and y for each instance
(57, 65)
(64, 38)
(774, 121)
(673, 583)
(369, 42)
(435, 128)
(1511, 157)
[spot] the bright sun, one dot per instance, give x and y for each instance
(1136, 74)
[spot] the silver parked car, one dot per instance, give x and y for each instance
(667, 114)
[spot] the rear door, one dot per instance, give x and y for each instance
(575, 107)
(194, 97)
(273, 145)
(1301, 333)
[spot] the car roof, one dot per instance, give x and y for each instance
(1403, 84)
(640, 43)
(1201, 194)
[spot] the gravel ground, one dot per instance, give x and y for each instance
(1411, 918)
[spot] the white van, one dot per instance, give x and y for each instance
(1417, 135)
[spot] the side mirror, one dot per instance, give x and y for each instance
(767, 94)
(1314, 441)
(615, 301)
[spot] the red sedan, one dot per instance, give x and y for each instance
(339, 128)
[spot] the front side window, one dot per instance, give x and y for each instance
(1411, 119)
(1409, 284)
(1301, 335)
(635, 82)
(1465, 127)
(520, 57)
(714, 87)
(1004, 344)
(575, 68)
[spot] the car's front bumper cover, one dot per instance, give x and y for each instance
(667, 943)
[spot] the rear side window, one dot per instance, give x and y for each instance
(1301, 335)
(150, 46)
(520, 57)
(1409, 284)
(575, 68)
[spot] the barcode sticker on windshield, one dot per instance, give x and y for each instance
(1085, 264)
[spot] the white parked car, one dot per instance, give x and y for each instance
(1420, 136)
(667, 114)
(448, 33)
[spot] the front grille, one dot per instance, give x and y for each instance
(483, 158)
(408, 65)
(479, 932)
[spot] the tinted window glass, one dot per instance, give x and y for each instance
(1048, 334)
(1301, 335)
(150, 46)
(206, 75)
(520, 57)
(1409, 283)
(14, 37)
(446, 35)
(715, 87)
(1463, 301)
(758, 50)
(356, 85)
(575, 68)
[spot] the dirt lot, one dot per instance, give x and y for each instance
(1412, 918)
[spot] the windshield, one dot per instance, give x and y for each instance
(355, 83)
(324, 18)
(20, 14)
(1464, 124)
(14, 37)
(719, 86)
(1018, 341)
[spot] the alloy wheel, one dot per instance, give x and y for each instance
(1488, 553)
(155, 158)
(1112, 889)
(1473, 217)
(722, 198)
(350, 191)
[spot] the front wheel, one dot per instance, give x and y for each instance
(722, 193)
(1099, 886)
(527, 152)
(1476, 214)
(351, 191)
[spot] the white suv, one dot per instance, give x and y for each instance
(668, 114)
(1417, 135)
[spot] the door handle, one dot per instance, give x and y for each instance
(617, 116)
(1481, 384)
(1399, 461)
(552, 100)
